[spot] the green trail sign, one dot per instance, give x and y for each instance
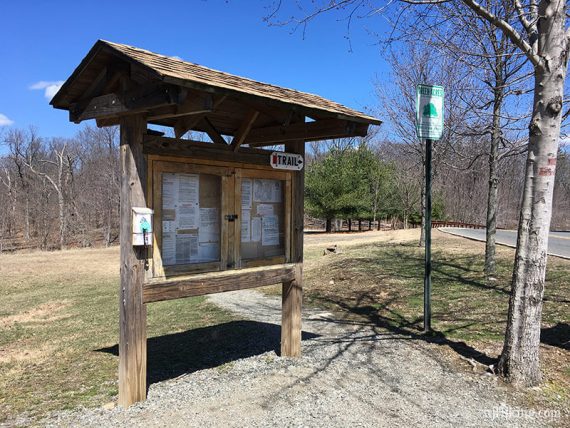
(429, 111)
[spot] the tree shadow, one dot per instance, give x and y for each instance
(558, 335)
(397, 324)
(173, 355)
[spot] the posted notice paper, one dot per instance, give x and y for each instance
(270, 230)
(186, 247)
(209, 230)
(188, 210)
(246, 193)
(245, 225)
(267, 191)
(256, 229)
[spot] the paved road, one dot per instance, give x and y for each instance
(558, 242)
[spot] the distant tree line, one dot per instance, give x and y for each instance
(380, 181)
(57, 192)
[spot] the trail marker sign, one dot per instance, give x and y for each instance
(429, 111)
(290, 161)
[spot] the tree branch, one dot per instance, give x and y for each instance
(509, 31)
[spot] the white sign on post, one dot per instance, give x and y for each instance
(291, 161)
(429, 111)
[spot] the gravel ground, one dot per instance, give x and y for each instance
(349, 375)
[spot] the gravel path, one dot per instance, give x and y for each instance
(349, 375)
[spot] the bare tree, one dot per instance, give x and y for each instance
(538, 30)
(54, 166)
(411, 66)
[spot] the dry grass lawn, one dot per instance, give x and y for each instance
(59, 329)
(59, 314)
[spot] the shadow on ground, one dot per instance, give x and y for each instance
(463, 270)
(558, 335)
(173, 355)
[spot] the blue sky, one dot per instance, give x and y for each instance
(43, 41)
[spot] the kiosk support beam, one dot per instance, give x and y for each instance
(132, 318)
(292, 294)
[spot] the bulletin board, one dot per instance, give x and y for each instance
(262, 218)
(213, 216)
(191, 207)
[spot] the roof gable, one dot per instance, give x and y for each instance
(179, 72)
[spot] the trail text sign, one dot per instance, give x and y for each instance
(289, 161)
(429, 111)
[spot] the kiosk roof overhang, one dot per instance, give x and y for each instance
(115, 80)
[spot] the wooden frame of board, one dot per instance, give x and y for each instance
(231, 175)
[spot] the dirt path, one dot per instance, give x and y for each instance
(349, 375)
(320, 239)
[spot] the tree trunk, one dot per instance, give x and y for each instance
(359, 225)
(328, 225)
(519, 361)
(27, 218)
(61, 205)
(369, 225)
(491, 222)
(349, 225)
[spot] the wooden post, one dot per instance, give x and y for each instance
(292, 294)
(132, 318)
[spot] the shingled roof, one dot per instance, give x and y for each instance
(99, 74)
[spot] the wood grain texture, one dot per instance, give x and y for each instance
(132, 311)
(200, 150)
(298, 204)
(292, 297)
(309, 131)
(217, 282)
(292, 292)
(244, 129)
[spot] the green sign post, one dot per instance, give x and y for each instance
(429, 125)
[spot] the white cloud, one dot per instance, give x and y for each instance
(49, 88)
(4, 121)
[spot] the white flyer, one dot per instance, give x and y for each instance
(188, 213)
(270, 230)
(208, 251)
(245, 225)
(264, 210)
(168, 248)
(246, 193)
(186, 247)
(169, 191)
(276, 191)
(256, 229)
(187, 216)
(267, 191)
(209, 230)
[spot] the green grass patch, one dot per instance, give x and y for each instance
(382, 284)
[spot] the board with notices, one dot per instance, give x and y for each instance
(262, 233)
(218, 216)
(191, 221)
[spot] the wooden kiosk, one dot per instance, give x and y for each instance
(227, 214)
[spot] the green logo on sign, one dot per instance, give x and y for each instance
(430, 110)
